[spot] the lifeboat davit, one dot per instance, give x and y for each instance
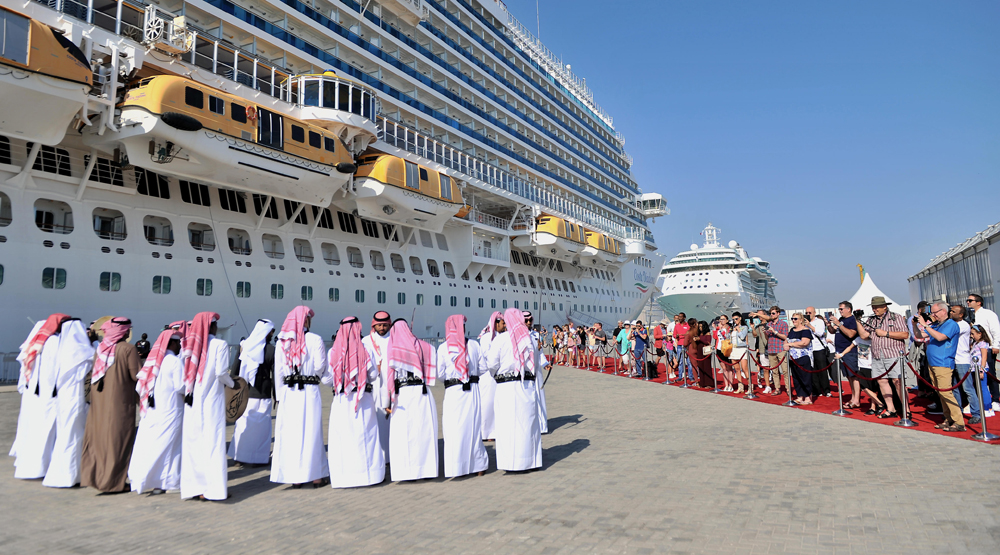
(553, 237)
(207, 135)
(44, 80)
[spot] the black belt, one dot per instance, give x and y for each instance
(526, 376)
(368, 388)
(300, 380)
(411, 381)
(466, 386)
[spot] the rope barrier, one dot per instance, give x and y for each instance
(761, 365)
(930, 385)
(806, 370)
(860, 377)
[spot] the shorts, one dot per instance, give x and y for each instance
(737, 353)
(865, 372)
(592, 348)
(627, 358)
(881, 365)
(660, 352)
(721, 356)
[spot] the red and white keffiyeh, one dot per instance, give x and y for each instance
(194, 348)
(491, 327)
(454, 333)
(146, 379)
(349, 359)
(520, 339)
(37, 341)
(115, 330)
(293, 335)
(409, 354)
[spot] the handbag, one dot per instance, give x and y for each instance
(726, 347)
(706, 350)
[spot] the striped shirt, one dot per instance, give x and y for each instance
(886, 347)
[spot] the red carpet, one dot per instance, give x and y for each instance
(918, 406)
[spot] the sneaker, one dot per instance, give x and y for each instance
(996, 405)
(933, 409)
(990, 413)
(967, 410)
(767, 390)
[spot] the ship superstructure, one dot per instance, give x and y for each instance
(418, 156)
(705, 282)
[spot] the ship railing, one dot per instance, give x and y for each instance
(199, 246)
(304, 257)
(477, 216)
(160, 241)
(54, 228)
(111, 235)
(277, 255)
(635, 233)
(10, 368)
(409, 139)
(4, 222)
(240, 250)
(332, 261)
(495, 250)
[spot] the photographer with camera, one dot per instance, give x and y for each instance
(941, 350)
(775, 331)
(888, 333)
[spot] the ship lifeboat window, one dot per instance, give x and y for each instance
(109, 224)
(445, 187)
(334, 295)
(232, 201)
(52, 160)
(303, 250)
(400, 298)
(238, 112)
(557, 286)
(449, 270)
(315, 140)
(194, 98)
(15, 36)
(510, 279)
(531, 281)
(415, 266)
(354, 257)
(158, 231)
(548, 283)
(420, 299)
(273, 247)
(52, 216)
(161, 285)
(216, 105)
(201, 237)
(243, 289)
(270, 130)
(203, 287)
(377, 260)
(520, 279)
(307, 293)
(325, 218)
(329, 144)
(110, 281)
(298, 134)
(442, 241)
(412, 175)
(6, 215)
(310, 93)
(432, 268)
(277, 291)
(397, 263)
(151, 184)
(330, 254)
(572, 288)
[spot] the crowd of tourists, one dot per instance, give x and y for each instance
(80, 388)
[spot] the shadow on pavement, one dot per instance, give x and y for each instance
(556, 453)
(560, 421)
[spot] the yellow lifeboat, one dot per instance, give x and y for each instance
(554, 237)
(44, 80)
(391, 189)
(195, 131)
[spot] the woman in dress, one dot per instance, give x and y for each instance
(701, 356)
(740, 365)
(721, 333)
(800, 351)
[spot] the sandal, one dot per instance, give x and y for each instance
(848, 405)
(887, 414)
(942, 425)
(875, 409)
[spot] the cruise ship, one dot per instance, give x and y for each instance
(424, 157)
(706, 282)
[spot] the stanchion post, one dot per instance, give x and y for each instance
(685, 356)
(904, 421)
(750, 394)
(715, 375)
(984, 435)
(841, 411)
(788, 379)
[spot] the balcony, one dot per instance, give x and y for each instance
(652, 205)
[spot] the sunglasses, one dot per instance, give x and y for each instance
(971, 301)
(795, 319)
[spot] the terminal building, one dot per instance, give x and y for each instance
(972, 266)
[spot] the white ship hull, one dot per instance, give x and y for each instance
(36, 107)
(707, 306)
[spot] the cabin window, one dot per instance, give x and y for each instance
(359, 296)
(51, 160)
(468, 302)
(315, 140)
(397, 263)
(194, 193)
(243, 289)
(216, 105)
(109, 224)
(423, 174)
(290, 208)
(194, 98)
(203, 287)
(420, 299)
(277, 291)
(377, 260)
(201, 237)
(239, 241)
(233, 201)
(310, 94)
(4, 147)
(390, 233)
(453, 301)
(52, 216)
(151, 184)
(354, 257)
(105, 171)
(14, 34)
(515, 256)
(238, 112)
(380, 297)
(334, 294)
(298, 134)
(111, 281)
(343, 96)
(504, 304)
(531, 282)
(370, 229)
(347, 223)
(510, 279)
(330, 254)
(400, 298)
(520, 278)
(432, 268)
(442, 241)
(412, 175)
(258, 206)
(325, 217)
(330, 144)
(54, 278)
(5, 212)
(307, 293)
(572, 288)
(493, 303)
(415, 266)
(481, 303)
(425, 239)
(557, 286)
(565, 287)
(445, 187)
(273, 247)
(449, 270)
(270, 130)
(437, 300)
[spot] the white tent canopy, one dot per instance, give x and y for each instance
(863, 297)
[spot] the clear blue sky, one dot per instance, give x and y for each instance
(820, 135)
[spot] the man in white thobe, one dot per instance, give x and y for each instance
(377, 345)
(74, 361)
(461, 420)
(204, 466)
(156, 456)
(29, 405)
(251, 442)
(541, 363)
(487, 385)
(414, 428)
(299, 365)
(510, 360)
(37, 382)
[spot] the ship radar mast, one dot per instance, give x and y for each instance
(711, 234)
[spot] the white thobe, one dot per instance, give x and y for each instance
(378, 351)
(27, 406)
(541, 361)
(461, 420)
(71, 420)
(355, 454)
(251, 442)
(204, 466)
(156, 455)
(487, 391)
(299, 455)
(413, 433)
(37, 432)
(518, 434)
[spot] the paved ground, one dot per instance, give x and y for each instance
(629, 467)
